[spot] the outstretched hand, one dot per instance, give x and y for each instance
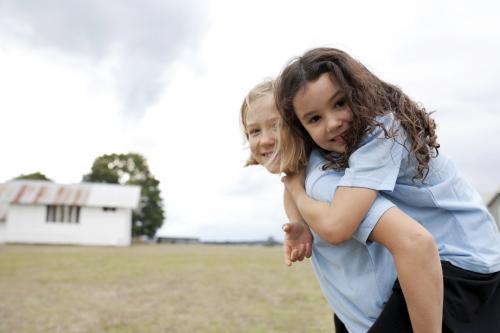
(298, 242)
(294, 182)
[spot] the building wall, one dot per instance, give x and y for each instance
(2, 232)
(112, 227)
(494, 209)
(27, 224)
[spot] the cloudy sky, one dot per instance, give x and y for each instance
(165, 78)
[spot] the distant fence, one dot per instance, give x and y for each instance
(187, 240)
(177, 240)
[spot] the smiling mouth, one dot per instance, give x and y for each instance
(338, 139)
(269, 156)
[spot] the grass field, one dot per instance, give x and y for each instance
(157, 288)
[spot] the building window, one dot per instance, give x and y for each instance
(109, 209)
(63, 213)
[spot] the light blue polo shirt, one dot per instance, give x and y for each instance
(357, 276)
(444, 203)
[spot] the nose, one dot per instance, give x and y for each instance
(268, 138)
(334, 122)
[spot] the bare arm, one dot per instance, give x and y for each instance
(298, 239)
(413, 249)
(335, 222)
(418, 267)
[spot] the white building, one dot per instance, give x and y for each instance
(494, 207)
(42, 212)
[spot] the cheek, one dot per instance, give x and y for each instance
(316, 134)
(253, 147)
(349, 114)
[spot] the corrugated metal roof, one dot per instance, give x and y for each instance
(44, 193)
(32, 192)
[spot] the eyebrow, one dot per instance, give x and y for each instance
(270, 120)
(332, 98)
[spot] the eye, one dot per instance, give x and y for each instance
(313, 119)
(274, 126)
(253, 132)
(340, 103)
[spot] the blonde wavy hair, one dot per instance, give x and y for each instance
(285, 141)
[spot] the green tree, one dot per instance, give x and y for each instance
(132, 169)
(34, 176)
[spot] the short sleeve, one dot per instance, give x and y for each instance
(376, 163)
(378, 208)
(322, 184)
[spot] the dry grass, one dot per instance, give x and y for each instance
(157, 288)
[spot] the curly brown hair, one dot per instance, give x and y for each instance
(367, 96)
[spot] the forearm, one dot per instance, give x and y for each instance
(297, 242)
(315, 214)
(335, 222)
(291, 209)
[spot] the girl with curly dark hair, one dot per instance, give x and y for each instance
(387, 144)
(371, 305)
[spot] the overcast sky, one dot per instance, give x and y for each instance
(166, 78)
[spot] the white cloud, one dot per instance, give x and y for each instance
(141, 38)
(59, 107)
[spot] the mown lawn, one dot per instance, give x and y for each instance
(157, 288)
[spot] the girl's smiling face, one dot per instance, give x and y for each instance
(322, 109)
(262, 125)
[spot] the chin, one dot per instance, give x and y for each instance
(273, 168)
(337, 149)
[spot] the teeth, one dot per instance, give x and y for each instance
(337, 138)
(268, 156)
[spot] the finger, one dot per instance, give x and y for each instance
(302, 252)
(286, 254)
(308, 250)
(286, 227)
(294, 255)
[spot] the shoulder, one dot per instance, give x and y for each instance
(316, 163)
(319, 180)
(315, 159)
(387, 127)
